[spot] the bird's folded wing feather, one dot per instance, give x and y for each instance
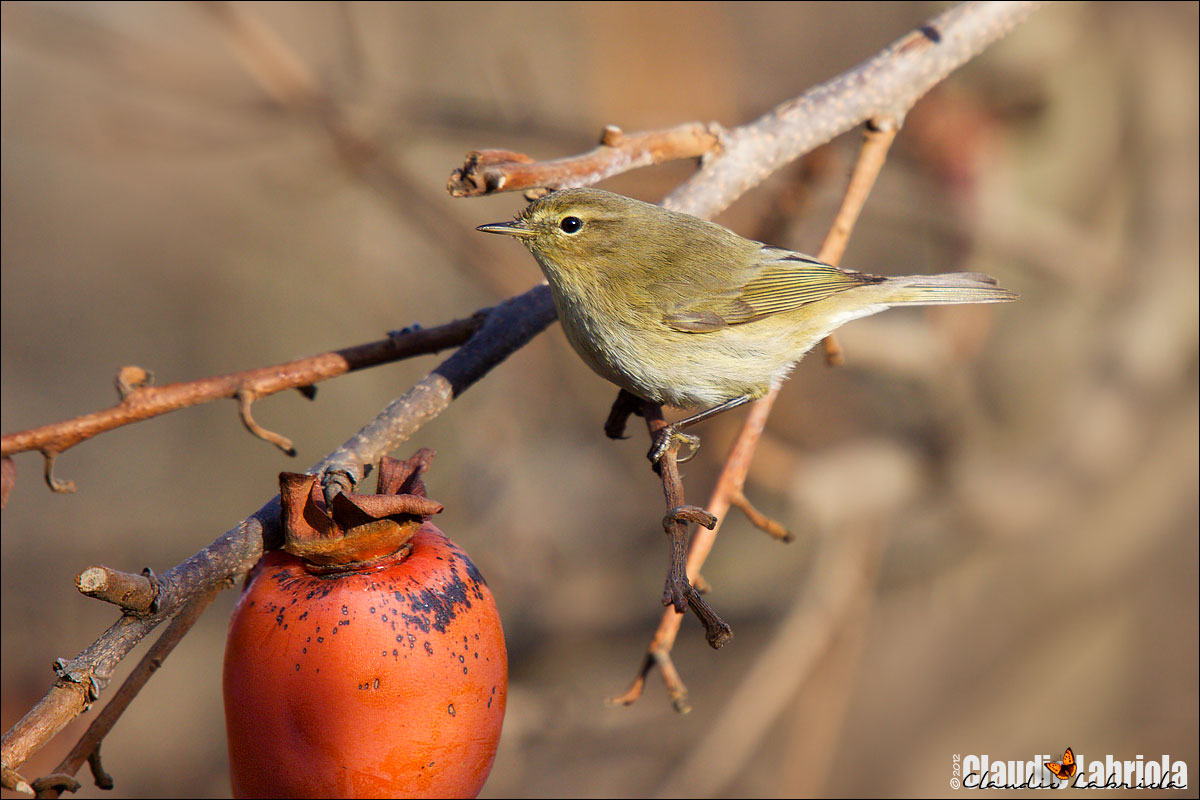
(783, 282)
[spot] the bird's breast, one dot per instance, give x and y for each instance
(640, 354)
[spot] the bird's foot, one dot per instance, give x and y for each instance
(671, 438)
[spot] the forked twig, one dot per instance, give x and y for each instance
(140, 402)
(88, 746)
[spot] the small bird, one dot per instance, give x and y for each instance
(678, 310)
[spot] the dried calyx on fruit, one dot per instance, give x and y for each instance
(365, 659)
(356, 529)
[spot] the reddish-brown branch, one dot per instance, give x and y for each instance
(144, 402)
(488, 171)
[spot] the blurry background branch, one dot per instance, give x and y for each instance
(287, 80)
(884, 87)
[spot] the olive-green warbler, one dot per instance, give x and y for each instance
(679, 310)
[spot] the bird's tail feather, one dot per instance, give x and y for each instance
(954, 287)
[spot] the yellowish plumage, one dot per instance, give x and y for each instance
(682, 311)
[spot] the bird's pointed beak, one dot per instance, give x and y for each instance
(516, 228)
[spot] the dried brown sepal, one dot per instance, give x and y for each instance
(355, 527)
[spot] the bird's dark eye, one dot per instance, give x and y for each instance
(571, 224)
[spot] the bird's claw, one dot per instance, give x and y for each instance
(671, 437)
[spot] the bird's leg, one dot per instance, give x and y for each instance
(678, 592)
(673, 434)
(623, 408)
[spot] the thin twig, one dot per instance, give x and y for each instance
(488, 171)
(144, 402)
(89, 743)
(8, 479)
(759, 519)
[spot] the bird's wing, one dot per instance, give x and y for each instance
(781, 281)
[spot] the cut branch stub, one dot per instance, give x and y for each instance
(354, 528)
(137, 594)
(484, 172)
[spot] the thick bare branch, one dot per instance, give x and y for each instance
(89, 744)
(884, 87)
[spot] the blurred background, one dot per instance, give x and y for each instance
(996, 507)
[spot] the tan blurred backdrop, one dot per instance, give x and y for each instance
(996, 507)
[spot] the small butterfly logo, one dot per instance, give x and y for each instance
(1065, 769)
